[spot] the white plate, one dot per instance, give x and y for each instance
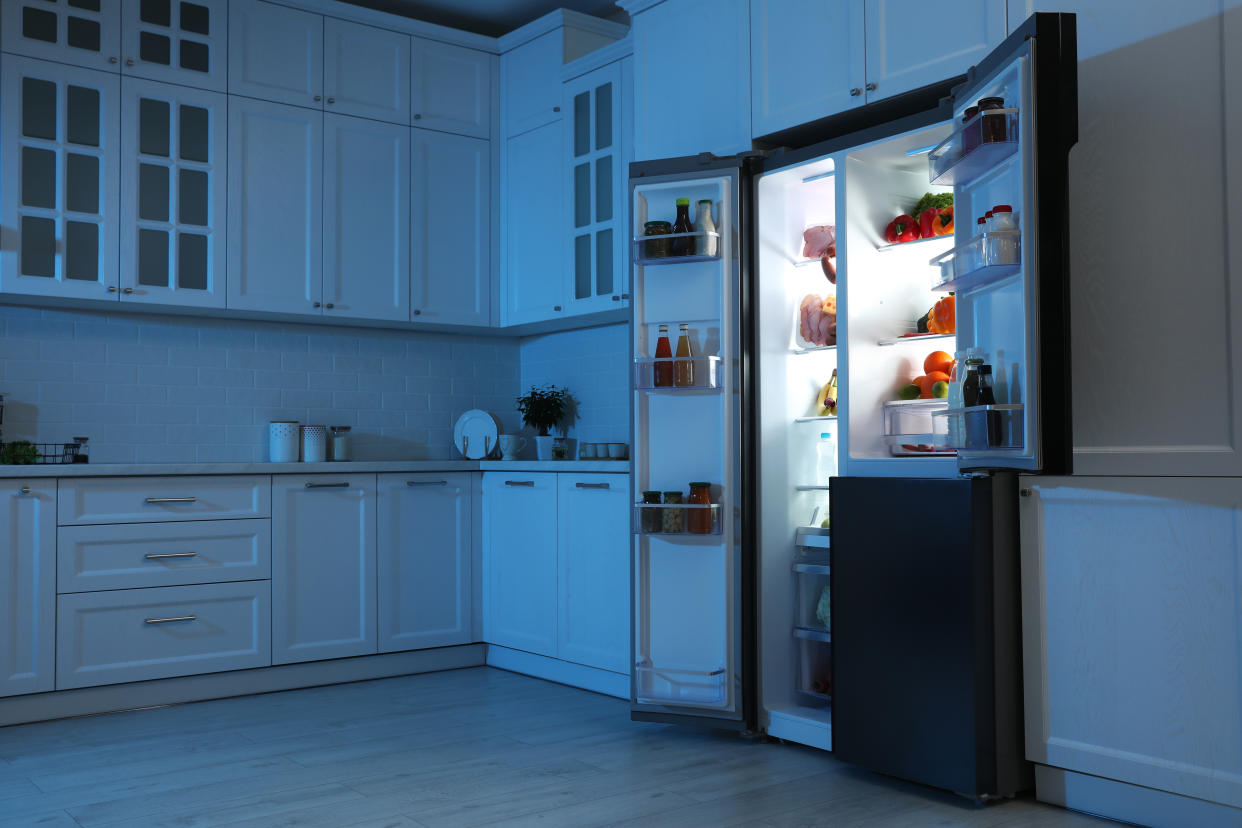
(475, 434)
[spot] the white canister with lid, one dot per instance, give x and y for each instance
(339, 438)
(283, 441)
(314, 443)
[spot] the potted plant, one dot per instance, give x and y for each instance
(543, 409)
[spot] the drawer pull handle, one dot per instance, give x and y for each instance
(172, 500)
(24, 490)
(327, 485)
(159, 556)
(169, 620)
(519, 483)
(426, 482)
(591, 485)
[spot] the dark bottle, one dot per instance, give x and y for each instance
(988, 397)
(684, 245)
(995, 127)
(970, 384)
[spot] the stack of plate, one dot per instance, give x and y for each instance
(475, 434)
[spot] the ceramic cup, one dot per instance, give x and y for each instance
(617, 451)
(586, 451)
(283, 441)
(510, 445)
(314, 443)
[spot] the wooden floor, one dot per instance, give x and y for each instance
(466, 747)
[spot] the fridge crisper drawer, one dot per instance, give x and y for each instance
(911, 429)
(693, 688)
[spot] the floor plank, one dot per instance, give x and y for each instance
(459, 748)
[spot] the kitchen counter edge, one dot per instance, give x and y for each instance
(351, 467)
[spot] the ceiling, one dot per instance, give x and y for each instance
(488, 17)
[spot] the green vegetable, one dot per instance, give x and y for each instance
(19, 453)
(930, 200)
(823, 609)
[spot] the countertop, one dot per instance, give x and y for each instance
(399, 466)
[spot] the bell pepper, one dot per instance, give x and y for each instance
(942, 225)
(943, 316)
(902, 229)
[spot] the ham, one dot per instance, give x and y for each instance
(818, 319)
(816, 241)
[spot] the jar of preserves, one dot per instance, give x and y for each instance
(657, 248)
(995, 127)
(970, 137)
(651, 520)
(673, 520)
(700, 520)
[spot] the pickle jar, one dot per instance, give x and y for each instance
(657, 248)
(651, 520)
(674, 520)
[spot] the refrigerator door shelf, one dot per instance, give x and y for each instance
(967, 154)
(813, 569)
(914, 337)
(813, 634)
(647, 248)
(986, 259)
(692, 688)
(675, 519)
(811, 537)
(704, 374)
(984, 427)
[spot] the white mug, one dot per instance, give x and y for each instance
(617, 451)
(510, 445)
(586, 451)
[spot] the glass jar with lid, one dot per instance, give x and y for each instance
(700, 519)
(657, 248)
(338, 443)
(674, 520)
(652, 520)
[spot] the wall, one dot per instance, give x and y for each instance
(154, 389)
(594, 364)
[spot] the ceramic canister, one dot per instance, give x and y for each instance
(314, 443)
(283, 440)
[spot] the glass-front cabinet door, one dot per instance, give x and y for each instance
(80, 32)
(596, 270)
(173, 194)
(59, 158)
(176, 41)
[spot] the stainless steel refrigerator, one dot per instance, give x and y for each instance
(852, 583)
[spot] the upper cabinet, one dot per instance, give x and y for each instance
(873, 49)
(451, 88)
(276, 53)
(366, 71)
(81, 32)
(530, 84)
(179, 42)
(533, 231)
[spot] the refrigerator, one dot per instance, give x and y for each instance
(851, 581)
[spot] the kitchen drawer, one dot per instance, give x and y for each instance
(131, 555)
(139, 634)
(162, 499)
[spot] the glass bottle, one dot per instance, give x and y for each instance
(652, 519)
(825, 459)
(685, 245)
(673, 521)
(683, 371)
(706, 226)
(663, 367)
(988, 397)
(970, 383)
(956, 373)
(700, 520)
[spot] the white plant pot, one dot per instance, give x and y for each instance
(543, 447)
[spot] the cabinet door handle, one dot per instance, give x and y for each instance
(318, 305)
(625, 296)
(556, 109)
(426, 482)
(556, 307)
(871, 87)
(169, 620)
(127, 290)
(616, 298)
(329, 306)
(855, 92)
(24, 490)
(319, 97)
(591, 485)
(112, 60)
(172, 499)
(331, 100)
(327, 485)
(417, 312)
(520, 483)
(159, 556)
(111, 289)
(417, 116)
(129, 61)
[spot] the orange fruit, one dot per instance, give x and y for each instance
(938, 361)
(936, 376)
(924, 384)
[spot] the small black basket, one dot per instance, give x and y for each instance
(55, 453)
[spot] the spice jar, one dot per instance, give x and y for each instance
(700, 520)
(994, 127)
(652, 520)
(338, 442)
(674, 520)
(657, 248)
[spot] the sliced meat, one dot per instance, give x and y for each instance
(817, 240)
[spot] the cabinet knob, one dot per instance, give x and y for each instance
(556, 307)
(871, 87)
(127, 290)
(417, 312)
(329, 306)
(129, 61)
(111, 289)
(113, 60)
(417, 117)
(331, 100)
(319, 97)
(625, 296)
(318, 305)
(556, 109)
(24, 490)
(616, 298)
(855, 92)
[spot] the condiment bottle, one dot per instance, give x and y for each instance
(683, 245)
(663, 367)
(1002, 218)
(683, 372)
(707, 227)
(700, 520)
(988, 397)
(970, 384)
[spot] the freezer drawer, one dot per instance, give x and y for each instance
(139, 634)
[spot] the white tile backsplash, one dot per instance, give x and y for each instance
(594, 364)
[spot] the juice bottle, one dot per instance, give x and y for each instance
(684, 366)
(663, 367)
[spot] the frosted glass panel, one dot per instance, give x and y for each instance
(191, 261)
(82, 180)
(603, 262)
(83, 116)
(38, 109)
(582, 266)
(582, 124)
(38, 178)
(153, 258)
(194, 128)
(582, 195)
(152, 192)
(192, 197)
(81, 251)
(38, 246)
(603, 188)
(603, 116)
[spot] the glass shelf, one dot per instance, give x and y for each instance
(815, 537)
(987, 258)
(812, 349)
(826, 417)
(666, 685)
(813, 634)
(884, 248)
(705, 374)
(965, 155)
(812, 569)
(641, 248)
(982, 427)
(674, 519)
(811, 488)
(915, 337)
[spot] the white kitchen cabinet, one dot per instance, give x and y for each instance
(27, 586)
(60, 157)
(452, 274)
(176, 41)
(452, 88)
(366, 71)
(596, 143)
(692, 78)
(530, 84)
(519, 561)
(533, 226)
(323, 567)
(791, 84)
(424, 560)
(68, 31)
(275, 198)
(593, 570)
(173, 194)
(1131, 600)
(366, 233)
(276, 54)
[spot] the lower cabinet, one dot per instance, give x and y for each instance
(27, 586)
(323, 567)
(424, 560)
(519, 563)
(138, 634)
